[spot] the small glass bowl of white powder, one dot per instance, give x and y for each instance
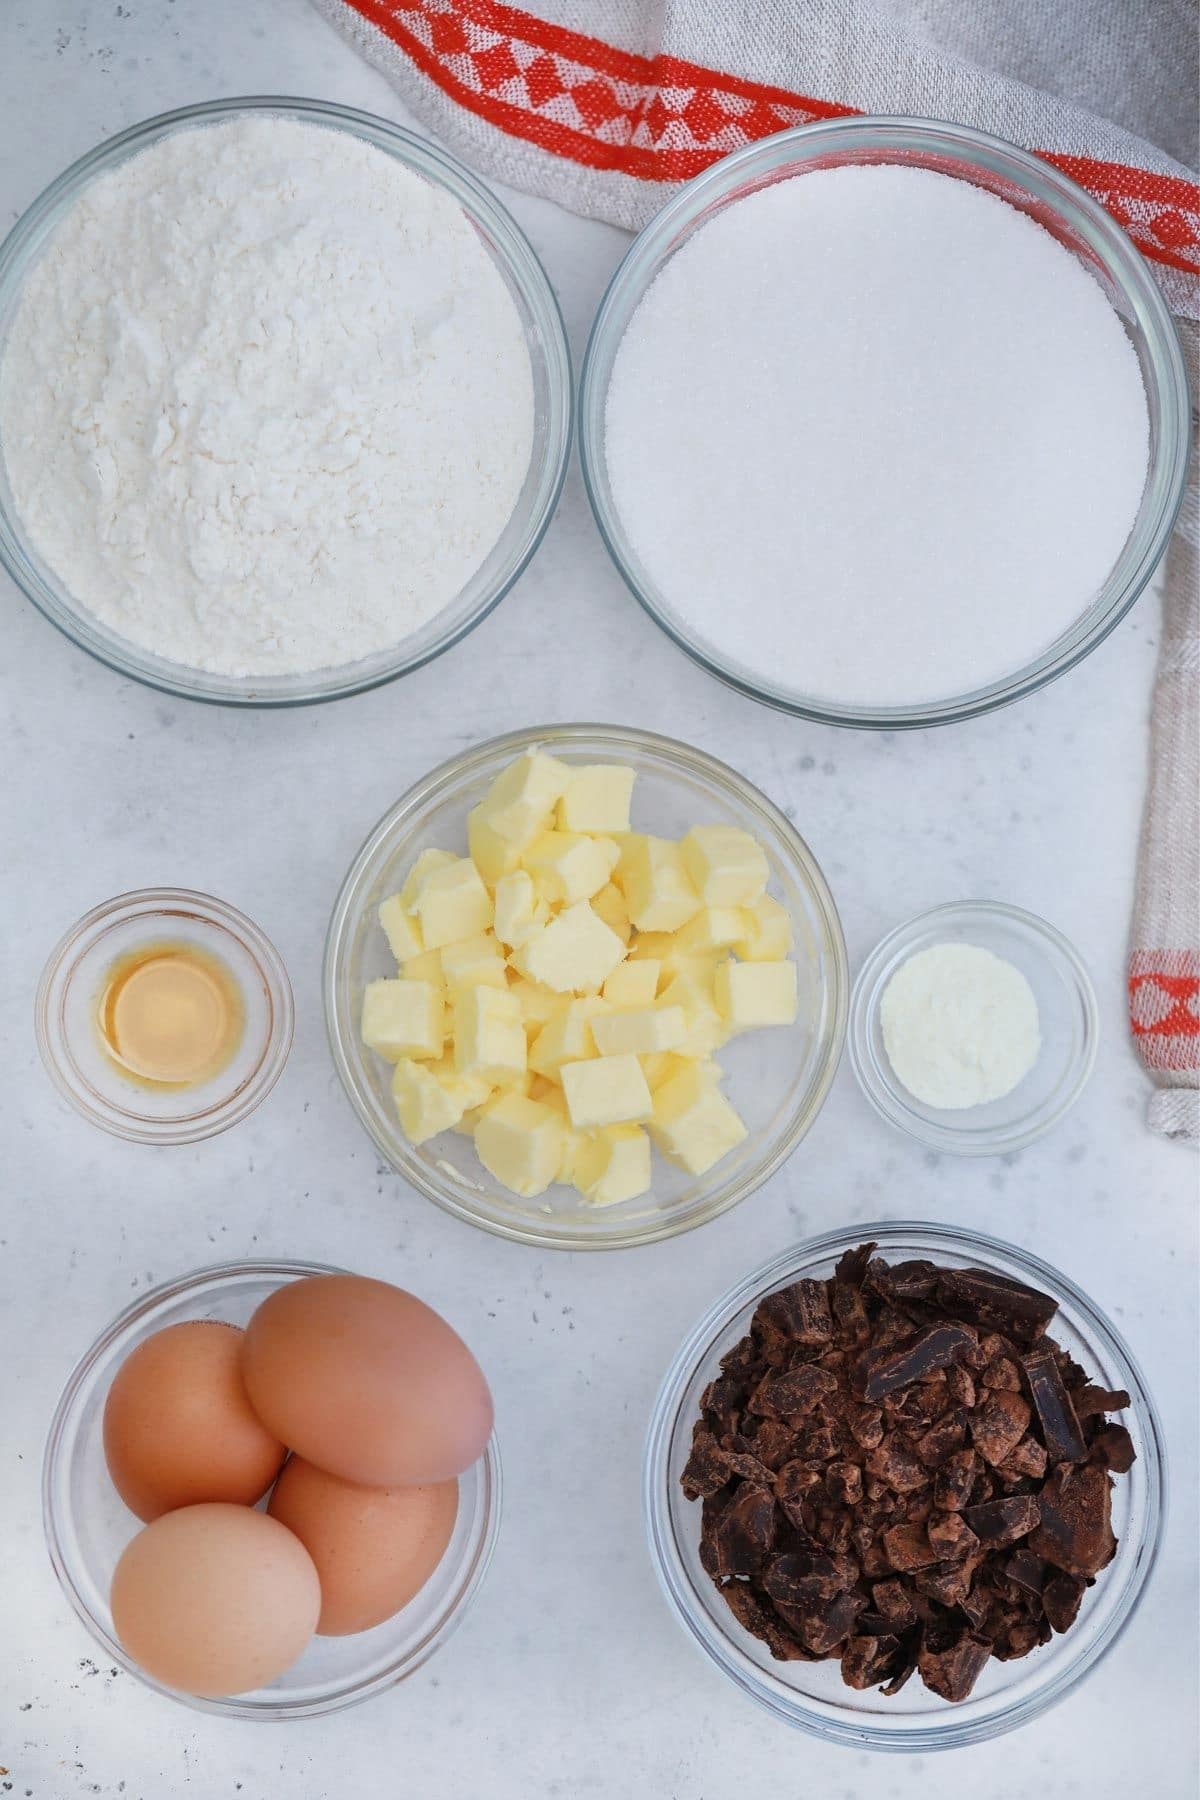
(285, 402)
(884, 422)
(973, 1027)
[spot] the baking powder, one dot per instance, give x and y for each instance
(960, 1026)
(266, 404)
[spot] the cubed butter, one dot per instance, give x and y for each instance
(704, 1028)
(767, 933)
(489, 1036)
(424, 1105)
(633, 984)
(403, 1018)
(596, 798)
(567, 867)
(661, 1065)
(655, 882)
(426, 967)
(567, 1037)
(402, 930)
(575, 953)
(474, 962)
(750, 994)
(640, 1030)
(414, 881)
(612, 1165)
(537, 1004)
(608, 1090)
(726, 865)
(494, 856)
(520, 1142)
(470, 1090)
(521, 799)
(693, 1123)
(609, 904)
(453, 904)
(715, 928)
(519, 912)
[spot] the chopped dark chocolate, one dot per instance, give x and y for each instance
(898, 1469)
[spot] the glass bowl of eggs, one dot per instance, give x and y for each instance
(629, 917)
(219, 1571)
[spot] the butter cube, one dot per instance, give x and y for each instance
(469, 1090)
(716, 928)
(767, 936)
(693, 1123)
(567, 1037)
(520, 800)
(661, 1065)
(424, 1106)
(613, 1165)
(609, 905)
(567, 867)
(633, 984)
(755, 993)
(654, 880)
(494, 856)
(489, 1037)
(596, 798)
(640, 1030)
(704, 1028)
(414, 881)
(403, 1018)
(474, 962)
(426, 967)
(609, 1090)
(453, 904)
(520, 1142)
(403, 932)
(537, 1004)
(576, 952)
(726, 866)
(519, 912)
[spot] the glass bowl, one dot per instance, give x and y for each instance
(88, 1526)
(1036, 188)
(1067, 1016)
(813, 1696)
(777, 1079)
(549, 357)
(73, 981)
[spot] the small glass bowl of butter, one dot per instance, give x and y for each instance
(164, 1016)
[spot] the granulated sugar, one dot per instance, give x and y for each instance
(266, 404)
(876, 436)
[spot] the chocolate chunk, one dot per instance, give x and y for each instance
(805, 1580)
(748, 1467)
(761, 1622)
(999, 1425)
(954, 1481)
(995, 1302)
(1003, 1521)
(950, 1535)
(953, 1672)
(852, 1265)
(822, 1631)
(866, 1661)
(719, 1403)
(706, 1469)
(1075, 1531)
(744, 1532)
(907, 1547)
(851, 1321)
(1060, 1423)
(1028, 1459)
(1113, 1449)
(901, 1283)
(1002, 1372)
(1088, 1401)
(897, 1463)
(948, 1583)
(893, 1604)
(1026, 1569)
(1060, 1597)
(844, 1482)
(931, 1349)
(865, 1425)
(795, 1315)
(942, 1440)
(792, 1392)
(960, 1385)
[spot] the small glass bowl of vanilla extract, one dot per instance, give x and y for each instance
(164, 1016)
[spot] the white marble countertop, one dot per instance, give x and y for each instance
(569, 1680)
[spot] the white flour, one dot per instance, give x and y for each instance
(266, 404)
(960, 1026)
(876, 436)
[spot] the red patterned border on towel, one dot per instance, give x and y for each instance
(1164, 1008)
(660, 119)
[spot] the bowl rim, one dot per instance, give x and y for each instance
(884, 1095)
(943, 1732)
(167, 903)
(686, 210)
(199, 1282)
(618, 738)
(508, 243)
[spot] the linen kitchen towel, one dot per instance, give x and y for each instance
(606, 105)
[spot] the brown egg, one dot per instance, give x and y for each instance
(366, 1381)
(215, 1599)
(374, 1548)
(178, 1427)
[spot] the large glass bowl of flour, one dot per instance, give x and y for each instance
(884, 422)
(296, 416)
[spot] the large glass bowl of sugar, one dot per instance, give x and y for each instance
(884, 422)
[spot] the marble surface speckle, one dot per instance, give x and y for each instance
(569, 1679)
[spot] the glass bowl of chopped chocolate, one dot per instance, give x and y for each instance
(905, 1486)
